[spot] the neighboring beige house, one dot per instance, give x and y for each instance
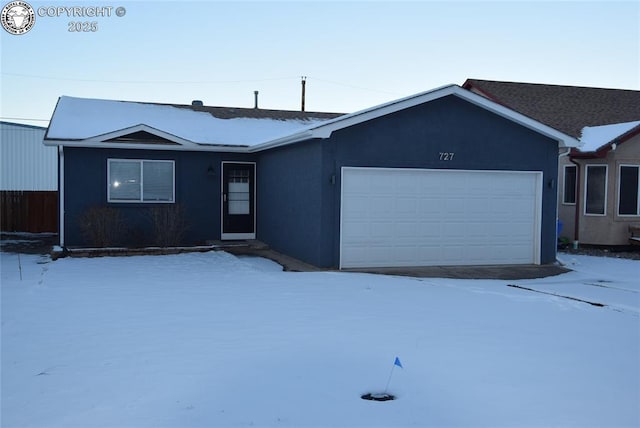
(598, 184)
(607, 171)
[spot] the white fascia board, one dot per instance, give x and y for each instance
(137, 128)
(182, 144)
(182, 148)
(325, 129)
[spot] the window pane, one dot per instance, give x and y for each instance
(596, 189)
(239, 192)
(628, 190)
(124, 182)
(569, 185)
(158, 181)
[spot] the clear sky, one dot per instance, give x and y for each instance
(355, 54)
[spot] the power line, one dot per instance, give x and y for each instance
(184, 82)
(354, 86)
(71, 79)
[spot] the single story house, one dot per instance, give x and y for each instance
(443, 177)
(606, 201)
(28, 180)
(599, 197)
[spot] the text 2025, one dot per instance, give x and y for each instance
(83, 27)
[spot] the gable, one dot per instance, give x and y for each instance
(141, 137)
(325, 129)
(78, 121)
(417, 136)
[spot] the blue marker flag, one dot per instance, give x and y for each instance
(397, 362)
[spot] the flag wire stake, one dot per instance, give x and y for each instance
(395, 363)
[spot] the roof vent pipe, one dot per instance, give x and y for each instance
(304, 81)
(255, 96)
(197, 103)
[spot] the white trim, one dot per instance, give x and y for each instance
(61, 195)
(586, 189)
(575, 185)
(325, 129)
(235, 236)
(111, 145)
(537, 240)
(141, 200)
(619, 184)
(340, 220)
(138, 128)
(181, 144)
(537, 236)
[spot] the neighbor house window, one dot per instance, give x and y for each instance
(629, 200)
(596, 190)
(137, 180)
(569, 193)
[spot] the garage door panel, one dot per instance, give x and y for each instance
(406, 217)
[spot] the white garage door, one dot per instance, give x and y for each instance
(417, 217)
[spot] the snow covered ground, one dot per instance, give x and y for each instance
(210, 339)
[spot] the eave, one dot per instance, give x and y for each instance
(604, 150)
(174, 143)
(325, 129)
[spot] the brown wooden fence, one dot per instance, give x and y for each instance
(28, 211)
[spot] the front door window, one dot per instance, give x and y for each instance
(238, 199)
(239, 192)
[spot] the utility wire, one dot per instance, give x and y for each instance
(354, 86)
(184, 82)
(32, 76)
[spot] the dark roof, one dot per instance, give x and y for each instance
(565, 108)
(258, 113)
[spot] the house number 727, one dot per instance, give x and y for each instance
(446, 156)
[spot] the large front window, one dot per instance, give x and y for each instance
(596, 195)
(629, 200)
(137, 180)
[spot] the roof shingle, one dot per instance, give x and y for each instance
(566, 108)
(258, 113)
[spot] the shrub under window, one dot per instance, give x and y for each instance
(133, 180)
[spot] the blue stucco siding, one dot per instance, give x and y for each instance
(289, 205)
(481, 140)
(197, 192)
(414, 138)
(299, 185)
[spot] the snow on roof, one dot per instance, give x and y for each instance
(595, 137)
(83, 118)
(78, 119)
